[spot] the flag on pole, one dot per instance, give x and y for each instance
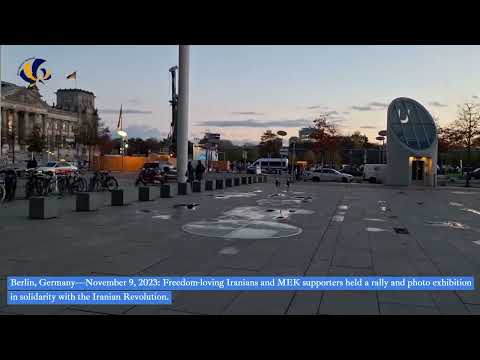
(119, 125)
(72, 75)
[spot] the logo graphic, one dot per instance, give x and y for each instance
(31, 72)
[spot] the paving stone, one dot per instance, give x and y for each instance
(349, 303)
(403, 309)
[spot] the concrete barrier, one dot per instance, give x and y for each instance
(165, 191)
(219, 184)
(89, 201)
(145, 193)
(236, 181)
(197, 187)
(182, 188)
(228, 182)
(117, 197)
(244, 180)
(42, 207)
(209, 185)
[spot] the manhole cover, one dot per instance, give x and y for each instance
(401, 230)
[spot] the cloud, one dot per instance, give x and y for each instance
(246, 113)
(374, 105)
(362, 108)
(378, 104)
(437, 104)
(124, 111)
(313, 107)
(368, 127)
(252, 123)
(329, 113)
(145, 132)
(134, 101)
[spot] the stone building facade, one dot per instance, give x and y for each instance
(23, 109)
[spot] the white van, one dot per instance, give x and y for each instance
(268, 165)
(374, 173)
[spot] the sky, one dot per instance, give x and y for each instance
(241, 91)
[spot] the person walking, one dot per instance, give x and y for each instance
(190, 172)
(199, 170)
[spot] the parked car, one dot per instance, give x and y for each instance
(374, 173)
(352, 170)
(475, 174)
(58, 167)
(325, 174)
(168, 171)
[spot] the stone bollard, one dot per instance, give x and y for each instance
(89, 201)
(209, 185)
(117, 198)
(236, 181)
(197, 187)
(228, 182)
(165, 191)
(219, 184)
(244, 180)
(249, 179)
(145, 193)
(42, 207)
(182, 188)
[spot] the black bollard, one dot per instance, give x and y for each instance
(182, 189)
(219, 184)
(197, 187)
(165, 191)
(209, 185)
(244, 180)
(236, 181)
(228, 182)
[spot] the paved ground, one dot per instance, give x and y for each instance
(346, 230)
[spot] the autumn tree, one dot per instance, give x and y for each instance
(465, 130)
(326, 138)
(270, 144)
(36, 142)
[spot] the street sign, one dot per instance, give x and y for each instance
(382, 133)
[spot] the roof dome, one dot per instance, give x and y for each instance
(411, 123)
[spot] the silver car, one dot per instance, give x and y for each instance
(325, 174)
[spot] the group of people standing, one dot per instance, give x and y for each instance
(195, 173)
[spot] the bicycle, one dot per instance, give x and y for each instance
(71, 183)
(2, 190)
(36, 184)
(102, 181)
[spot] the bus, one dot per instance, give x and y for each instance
(268, 165)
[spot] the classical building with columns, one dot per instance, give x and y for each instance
(23, 109)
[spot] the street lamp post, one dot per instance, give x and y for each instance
(182, 121)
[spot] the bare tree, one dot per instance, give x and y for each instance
(465, 130)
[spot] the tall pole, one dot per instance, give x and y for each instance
(1, 145)
(182, 123)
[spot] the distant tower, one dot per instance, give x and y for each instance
(76, 100)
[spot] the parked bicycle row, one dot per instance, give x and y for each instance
(45, 183)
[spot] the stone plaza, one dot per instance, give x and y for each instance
(318, 230)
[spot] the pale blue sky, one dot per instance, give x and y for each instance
(271, 84)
